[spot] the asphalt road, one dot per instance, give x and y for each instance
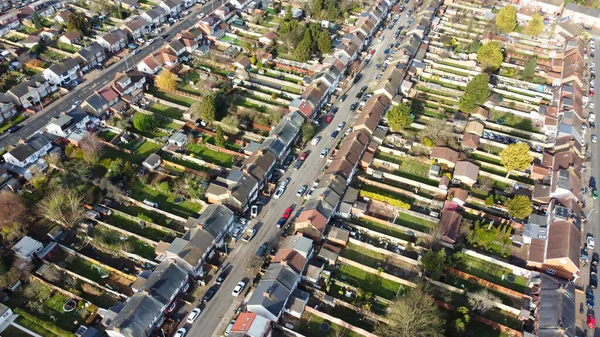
(218, 312)
(98, 79)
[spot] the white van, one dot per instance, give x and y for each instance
(150, 203)
(229, 327)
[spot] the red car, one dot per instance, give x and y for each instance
(592, 93)
(287, 213)
(591, 321)
(328, 119)
(303, 156)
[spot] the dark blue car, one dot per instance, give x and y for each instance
(592, 183)
(281, 222)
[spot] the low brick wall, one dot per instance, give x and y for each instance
(374, 271)
(339, 322)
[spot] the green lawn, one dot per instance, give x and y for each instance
(156, 217)
(512, 120)
(386, 193)
(142, 249)
(485, 158)
(31, 325)
(372, 283)
(86, 269)
(133, 226)
(211, 156)
(312, 327)
(409, 169)
(413, 222)
(109, 152)
(107, 135)
(383, 229)
(11, 331)
(165, 201)
(185, 163)
(54, 55)
(147, 149)
(228, 145)
(185, 101)
(368, 257)
(67, 47)
(492, 273)
(166, 110)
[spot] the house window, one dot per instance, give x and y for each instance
(551, 271)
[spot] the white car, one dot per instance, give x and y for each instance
(591, 105)
(591, 118)
(341, 126)
(590, 241)
(241, 220)
(301, 190)
(180, 333)
(75, 104)
(594, 139)
(310, 192)
(201, 16)
(348, 130)
(316, 140)
(278, 192)
(254, 211)
(193, 315)
(324, 152)
(238, 289)
(140, 40)
(150, 41)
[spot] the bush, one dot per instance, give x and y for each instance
(144, 217)
(387, 200)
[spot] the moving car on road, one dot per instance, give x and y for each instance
(193, 315)
(238, 289)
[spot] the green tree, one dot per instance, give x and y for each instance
(220, 137)
(515, 157)
(506, 19)
(38, 21)
(303, 50)
(529, 70)
(116, 168)
(490, 56)
(145, 123)
(432, 263)
(309, 130)
(230, 123)
(415, 314)
(400, 117)
(38, 48)
(519, 207)
(208, 107)
(535, 26)
(324, 42)
(288, 14)
(318, 8)
(79, 23)
(476, 92)
(489, 201)
(474, 46)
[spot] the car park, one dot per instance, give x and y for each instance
(301, 190)
(238, 289)
(324, 152)
(210, 293)
(193, 315)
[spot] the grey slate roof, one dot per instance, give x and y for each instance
(137, 315)
(95, 101)
(282, 273)
(164, 281)
(274, 302)
(556, 307)
(215, 218)
(64, 66)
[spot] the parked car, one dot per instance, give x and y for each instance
(261, 251)
(280, 223)
(298, 164)
(193, 315)
(591, 321)
(343, 97)
(238, 289)
(595, 259)
(334, 134)
(594, 139)
(278, 193)
(592, 182)
(301, 190)
(595, 194)
(304, 155)
(594, 281)
(590, 241)
(180, 333)
(75, 104)
(316, 140)
(324, 152)
(210, 293)
(354, 106)
(341, 126)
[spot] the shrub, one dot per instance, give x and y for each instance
(144, 217)
(387, 200)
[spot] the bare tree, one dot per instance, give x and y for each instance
(415, 315)
(438, 130)
(52, 273)
(12, 209)
(482, 300)
(92, 146)
(355, 67)
(63, 206)
(53, 161)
